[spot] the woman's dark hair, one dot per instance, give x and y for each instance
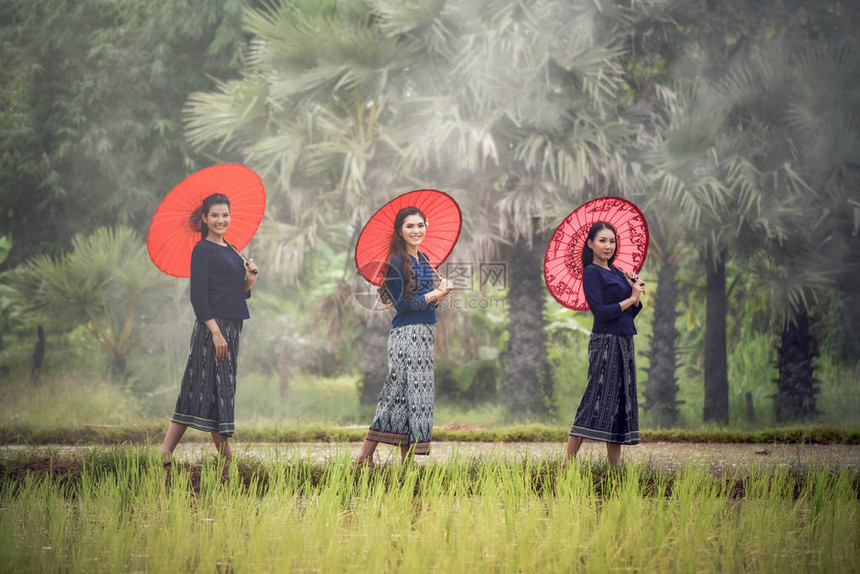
(397, 248)
(197, 216)
(587, 253)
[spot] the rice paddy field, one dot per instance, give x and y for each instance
(120, 510)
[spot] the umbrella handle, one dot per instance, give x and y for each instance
(233, 247)
(433, 269)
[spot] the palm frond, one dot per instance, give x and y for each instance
(285, 246)
(315, 56)
(597, 71)
(792, 287)
(756, 85)
(228, 117)
(404, 16)
(527, 207)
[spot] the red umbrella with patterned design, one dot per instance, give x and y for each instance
(562, 267)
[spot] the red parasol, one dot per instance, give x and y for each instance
(443, 229)
(175, 227)
(562, 266)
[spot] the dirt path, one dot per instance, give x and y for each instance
(669, 456)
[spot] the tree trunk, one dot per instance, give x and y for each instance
(117, 368)
(38, 356)
(527, 382)
(797, 386)
(661, 389)
(374, 359)
(4, 370)
(716, 362)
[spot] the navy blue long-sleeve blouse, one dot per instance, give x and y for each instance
(218, 283)
(417, 310)
(604, 291)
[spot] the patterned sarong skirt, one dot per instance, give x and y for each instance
(206, 397)
(404, 415)
(609, 410)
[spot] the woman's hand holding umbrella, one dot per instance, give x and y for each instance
(441, 291)
(636, 284)
(638, 290)
(253, 272)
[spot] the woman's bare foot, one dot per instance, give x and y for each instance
(364, 462)
(573, 444)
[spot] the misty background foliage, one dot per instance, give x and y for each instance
(732, 124)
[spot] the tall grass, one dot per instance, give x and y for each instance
(75, 409)
(125, 513)
(72, 400)
(334, 400)
(69, 400)
(839, 400)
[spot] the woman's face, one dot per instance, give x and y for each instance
(218, 219)
(603, 246)
(413, 230)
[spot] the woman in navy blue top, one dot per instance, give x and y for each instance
(609, 410)
(404, 415)
(220, 282)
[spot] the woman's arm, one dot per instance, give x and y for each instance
(217, 339)
(602, 310)
(394, 283)
(637, 285)
(200, 285)
(440, 292)
(632, 280)
(251, 274)
(200, 300)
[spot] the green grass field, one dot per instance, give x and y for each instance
(80, 410)
(120, 510)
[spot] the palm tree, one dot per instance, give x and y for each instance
(705, 166)
(740, 151)
(494, 98)
(762, 174)
(668, 248)
(314, 114)
(528, 119)
(107, 284)
(802, 268)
